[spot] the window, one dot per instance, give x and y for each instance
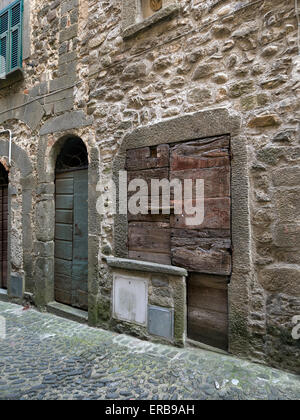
(11, 38)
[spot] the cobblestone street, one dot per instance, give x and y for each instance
(46, 357)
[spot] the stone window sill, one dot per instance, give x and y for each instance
(162, 14)
(137, 265)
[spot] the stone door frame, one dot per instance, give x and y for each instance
(203, 124)
(21, 168)
(48, 149)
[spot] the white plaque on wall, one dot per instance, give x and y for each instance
(130, 298)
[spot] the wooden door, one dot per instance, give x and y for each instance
(71, 238)
(149, 235)
(3, 235)
(204, 250)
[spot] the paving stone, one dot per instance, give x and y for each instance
(77, 362)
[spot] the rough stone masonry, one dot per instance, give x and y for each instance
(99, 71)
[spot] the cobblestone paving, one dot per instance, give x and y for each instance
(46, 357)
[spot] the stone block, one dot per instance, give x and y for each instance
(287, 235)
(288, 205)
(281, 278)
(66, 121)
(287, 176)
(45, 220)
(16, 286)
(68, 33)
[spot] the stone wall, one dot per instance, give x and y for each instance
(240, 55)
(84, 78)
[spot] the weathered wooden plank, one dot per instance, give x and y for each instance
(197, 242)
(208, 296)
(63, 232)
(80, 236)
(147, 175)
(201, 280)
(217, 215)
(211, 261)
(150, 256)
(63, 267)
(63, 175)
(63, 296)
(156, 218)
(63, 282)
(208, 309)
(216, 180)
(148, 157)
(64, 216)
(205, 153)
(208, 327)
(63, 249)
(149, 237)
(187, 237)
(64, 186)
(64, 202)
(82, 300)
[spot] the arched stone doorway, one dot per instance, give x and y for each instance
(3, 227)
(71, 225)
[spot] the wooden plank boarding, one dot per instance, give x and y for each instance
(204, 249)
(208, 309)
(71, 239)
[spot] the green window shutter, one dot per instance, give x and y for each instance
(4, 47)
(11, 38)
(15, 37)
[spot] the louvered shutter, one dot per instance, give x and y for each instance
(15, 37)
(4, 50)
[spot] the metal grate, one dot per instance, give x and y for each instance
(72, 156)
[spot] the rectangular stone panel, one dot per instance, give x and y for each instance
(161, 321)
(130, 298)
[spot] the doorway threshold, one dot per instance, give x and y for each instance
(68, 312)
(196, 344)
(4, 295)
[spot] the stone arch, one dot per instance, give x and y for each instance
(23, 108)
(207, 123)
(19, 278)
(48, 149)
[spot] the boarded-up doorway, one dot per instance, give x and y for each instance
(71, 225)
(3, 226)
(204, 250)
